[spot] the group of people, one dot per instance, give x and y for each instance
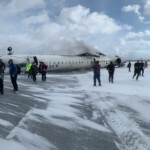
(33, 69)
(14, 70)
(97, 68)
(138, 68)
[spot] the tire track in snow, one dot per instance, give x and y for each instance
(128, 131)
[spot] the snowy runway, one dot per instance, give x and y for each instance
(68, 113)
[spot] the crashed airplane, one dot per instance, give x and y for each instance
(64, 62)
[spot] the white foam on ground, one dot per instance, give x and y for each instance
(5, 123)
(124, 104)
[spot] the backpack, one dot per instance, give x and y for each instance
(34, 69)
(18, 69)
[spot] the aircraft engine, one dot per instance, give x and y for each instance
(118, 60)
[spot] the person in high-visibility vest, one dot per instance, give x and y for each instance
(28, 70)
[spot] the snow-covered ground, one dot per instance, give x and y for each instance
(68, 113)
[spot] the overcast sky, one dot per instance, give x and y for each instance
(114, 27)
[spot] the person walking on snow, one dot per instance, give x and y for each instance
(34, 71)
(136, 70)
(2, 68)
(28, 70)
(96, 69)
(13, 74)
(111, 69)
(43, 70)
(129, 66)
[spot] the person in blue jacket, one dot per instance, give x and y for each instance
(142, 68)
(13, 74)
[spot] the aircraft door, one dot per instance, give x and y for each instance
(94, 60)
(35, 60)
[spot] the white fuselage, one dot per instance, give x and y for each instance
(58, 63)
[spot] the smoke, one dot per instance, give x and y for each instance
(68, 47)
(55, 46)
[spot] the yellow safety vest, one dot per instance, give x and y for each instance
(29, 67)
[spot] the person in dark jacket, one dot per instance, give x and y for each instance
(2, 65)
(1, 83)
(2, 68)
(43, 70)
(142, 68)
(136, 70)
(13, 74)
(129, 66)
(34, 71)
(96, 68)
(111, 69)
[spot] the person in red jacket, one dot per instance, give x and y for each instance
(43, 70)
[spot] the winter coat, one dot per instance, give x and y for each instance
(34, 69)
(145, 65)
(2, 67)
(43, 69)
(141, 65)
(12, 69)
(137, 67)
(129, 65)
(96, 68)
(111, 68)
